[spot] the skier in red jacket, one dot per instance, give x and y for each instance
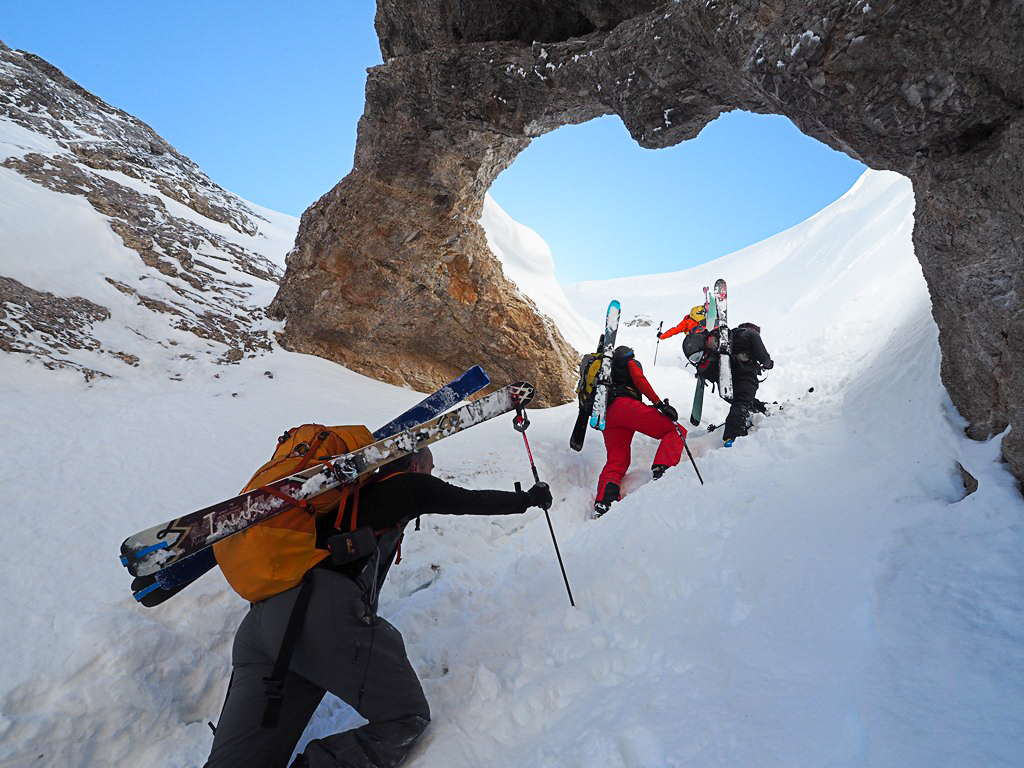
(628, 415)
(690, 323)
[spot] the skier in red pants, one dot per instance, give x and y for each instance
(628, 415)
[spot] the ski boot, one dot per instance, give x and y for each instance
(602, 505)
(658, 470)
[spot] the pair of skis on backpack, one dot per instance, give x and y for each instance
(166, 558)
(716, 321)
(594, 405)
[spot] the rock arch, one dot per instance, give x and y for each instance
(391, 274)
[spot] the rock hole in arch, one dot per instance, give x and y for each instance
(610, 208)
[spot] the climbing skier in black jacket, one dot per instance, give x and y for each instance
(342, 646)
(748, 358)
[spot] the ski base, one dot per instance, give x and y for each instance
(698, 403)
(579, 430)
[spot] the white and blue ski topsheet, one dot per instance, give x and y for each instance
(450, 394)
(604, 378)
(154, 589)
(153, 549)
(724, 341)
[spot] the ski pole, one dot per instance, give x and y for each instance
(520, 423)
(692, 461)
(680, 433)
(657, 345)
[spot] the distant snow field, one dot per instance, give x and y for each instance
(828, 597)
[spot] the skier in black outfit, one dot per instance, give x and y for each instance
(748, 358)
(343, 646)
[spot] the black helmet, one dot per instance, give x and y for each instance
(695, 345)
(750, 327)
(623, 353)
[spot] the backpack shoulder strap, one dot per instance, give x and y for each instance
(273, 686)
(348, 509)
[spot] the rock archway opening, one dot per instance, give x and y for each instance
(930, 90)
(609, 208)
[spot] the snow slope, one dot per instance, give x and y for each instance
(827, 597)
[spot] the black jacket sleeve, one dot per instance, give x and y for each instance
(757, 350)
(402, 497)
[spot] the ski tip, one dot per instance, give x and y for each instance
(141, 594)
(476, 372)
(132, 558)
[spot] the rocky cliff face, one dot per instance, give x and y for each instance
(196, 250)
(932, 89)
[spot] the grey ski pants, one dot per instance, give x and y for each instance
(365, 666)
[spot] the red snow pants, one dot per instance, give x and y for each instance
(626, 417)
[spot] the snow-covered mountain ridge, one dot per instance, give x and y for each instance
(118, 250)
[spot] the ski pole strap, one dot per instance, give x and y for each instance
(519, 421)
(520, 424)
(273, 686)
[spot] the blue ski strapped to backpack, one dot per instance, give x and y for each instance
(604, 376)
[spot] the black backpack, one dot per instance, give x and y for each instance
(701, 349)
(622, 381)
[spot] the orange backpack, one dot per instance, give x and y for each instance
(274, 555)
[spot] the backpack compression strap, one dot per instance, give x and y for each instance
(306, 459)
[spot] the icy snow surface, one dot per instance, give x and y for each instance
(827, 598)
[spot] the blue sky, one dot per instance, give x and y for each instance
(265, 97)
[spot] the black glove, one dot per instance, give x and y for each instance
(769, 365)
(540, 496)
(659, 334)
(667, 409)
